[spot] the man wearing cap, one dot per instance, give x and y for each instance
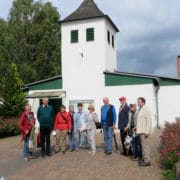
(108, 121)
(123, 118)
(143, 128)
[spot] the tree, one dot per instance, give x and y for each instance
(3, 62)
(33, 39)
(47, 37)
(14, 97)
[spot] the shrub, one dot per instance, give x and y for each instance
(169, 175)
(14, 97)
(170, 145)
(8, 127)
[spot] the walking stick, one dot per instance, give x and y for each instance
(115, 141)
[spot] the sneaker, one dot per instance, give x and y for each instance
(90, 152)
(49, 154)
(81, 146)
(109, 153)
(26, 159)
(144, 163)
(31, 157)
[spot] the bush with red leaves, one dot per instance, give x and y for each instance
(8, 127)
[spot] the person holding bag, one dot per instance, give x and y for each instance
(26, 125)
(91, 118)
(62, 126)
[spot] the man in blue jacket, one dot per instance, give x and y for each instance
(123, 118)
(108, 121)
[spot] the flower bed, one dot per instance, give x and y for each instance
(170, 147)
(8, 127)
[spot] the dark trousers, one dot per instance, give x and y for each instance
(136, 147)
(45, 139)
(123, 135)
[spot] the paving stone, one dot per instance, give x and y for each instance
(77, 165)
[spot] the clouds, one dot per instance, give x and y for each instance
(149, 41)
(149, 38)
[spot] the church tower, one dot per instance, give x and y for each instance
(88, 49)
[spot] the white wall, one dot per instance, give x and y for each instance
(83, 77)
(169, 103)
(132, 92)
(111, 53)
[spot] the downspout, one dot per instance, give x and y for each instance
(157, 87)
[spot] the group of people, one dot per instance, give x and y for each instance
(132, 122)
(80, 127)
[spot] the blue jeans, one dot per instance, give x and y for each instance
(108, 137)
(72, 141)
(25, 147)
(76, 137)
(83, 139)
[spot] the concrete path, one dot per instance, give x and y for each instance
(77, 165)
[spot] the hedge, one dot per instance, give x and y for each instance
(170, 149)
(8, 127)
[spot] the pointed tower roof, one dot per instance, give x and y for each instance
(88, 10)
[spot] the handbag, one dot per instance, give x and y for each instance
(98, 125)
(38, 140)
(30, 145)
(128, 141)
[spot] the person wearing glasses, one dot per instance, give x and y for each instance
(91, 118)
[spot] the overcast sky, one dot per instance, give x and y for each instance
(149, 37)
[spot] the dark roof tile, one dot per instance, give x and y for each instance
(87, 10)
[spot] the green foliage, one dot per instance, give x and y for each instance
(31, 39)
(170, 142)
(14, 97)
(3, 62)
(170, 149)
(169, 175)
(8, 127)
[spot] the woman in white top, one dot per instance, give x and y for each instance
(91, 119)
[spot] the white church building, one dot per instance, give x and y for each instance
(89, 70)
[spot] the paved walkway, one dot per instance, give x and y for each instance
(76, 165)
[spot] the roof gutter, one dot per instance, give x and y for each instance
(157, 87)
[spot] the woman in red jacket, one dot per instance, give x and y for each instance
(26, 122)
(62, 126)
